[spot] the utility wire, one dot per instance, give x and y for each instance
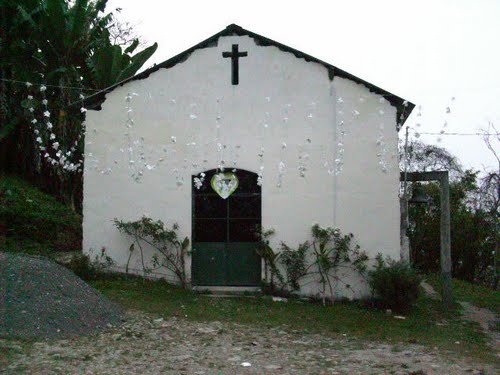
(44, 84)
(425, 133)
(117, 83)
(96, 91)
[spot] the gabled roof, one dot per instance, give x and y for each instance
(403, 107)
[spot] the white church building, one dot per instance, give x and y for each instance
(291, 140)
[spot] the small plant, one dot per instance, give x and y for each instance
(90, 269)
(295, 263)
(332, 250)
(395, 283)
(271, 272)
(171, 251)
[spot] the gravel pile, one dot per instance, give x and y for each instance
(41, 299)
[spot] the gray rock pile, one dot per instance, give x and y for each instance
(41, 299)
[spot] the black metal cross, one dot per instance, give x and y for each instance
(234, 55)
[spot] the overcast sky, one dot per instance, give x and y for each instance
(426, 51)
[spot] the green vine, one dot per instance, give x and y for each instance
(171, 250)
(329, 250)
(332, 250)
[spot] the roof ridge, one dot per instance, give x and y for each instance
(404, 107)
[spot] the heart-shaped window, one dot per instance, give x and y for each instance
(224, 184)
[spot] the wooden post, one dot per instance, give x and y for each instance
(404, 240)
(445, 240)
(445, 255)
(404, 252)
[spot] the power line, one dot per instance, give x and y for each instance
(97, 91)
(424, 133)
(416, 131)
(106, 88)
(44, 84)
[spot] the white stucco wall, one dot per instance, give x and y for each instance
(362, 199)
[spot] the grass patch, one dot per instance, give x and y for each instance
(428, 324)
(9, 349)
(478, 295)
(34, 222)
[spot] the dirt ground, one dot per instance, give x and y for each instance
(145, 345)
(486, 319)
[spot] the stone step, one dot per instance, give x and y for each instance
(227, 291)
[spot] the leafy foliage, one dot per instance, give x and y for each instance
(273, 278)
(110, 64)
(88, 268)
(395, 283)
(295, 263)
(328, 251)
(66, 46)
(171, 251)
(473, 231)
(474, 209)
(331, 249)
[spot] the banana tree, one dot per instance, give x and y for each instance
(111, 64)
(16, 48)
(63, 45)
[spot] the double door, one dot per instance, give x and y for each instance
(224, 234)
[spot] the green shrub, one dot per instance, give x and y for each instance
(396, 284)
(82, 266)
(90, 269)
(295, 264)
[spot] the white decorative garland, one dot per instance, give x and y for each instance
(47, 143)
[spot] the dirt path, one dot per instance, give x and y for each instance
(148, 346)
(487, 320)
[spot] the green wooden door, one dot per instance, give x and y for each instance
(224, 239)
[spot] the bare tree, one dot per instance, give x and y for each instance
(490, 136)
(490, 191)
(123, 33)
(421, 157)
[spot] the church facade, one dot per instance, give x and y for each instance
(241, 132)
